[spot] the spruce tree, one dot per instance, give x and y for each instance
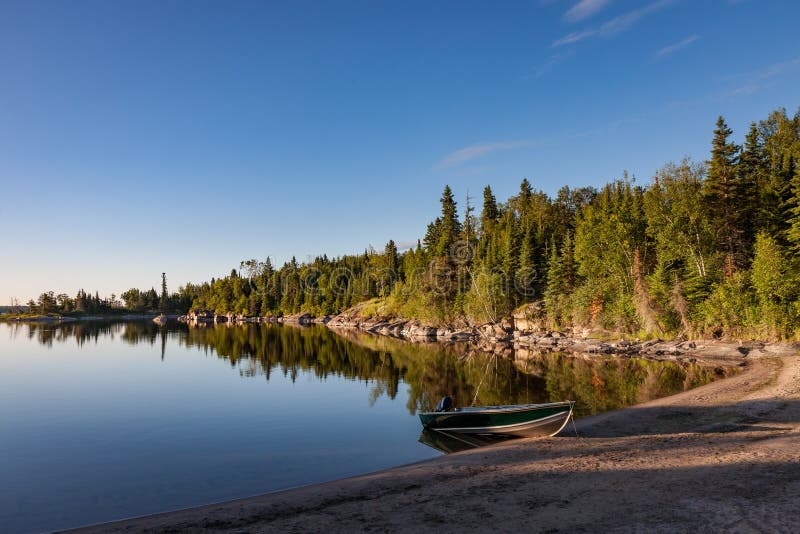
(560, 281)
(391, 259)
(489, 214)
(432, 234)
(164, 300)
(524, 198)
(526, 277)
(510, 252)
(751, 178)
(793, 231)
(450, 227)
(781, 138)
(721, 192)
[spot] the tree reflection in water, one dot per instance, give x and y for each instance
(429, 370)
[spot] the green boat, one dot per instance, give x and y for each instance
(524, 420)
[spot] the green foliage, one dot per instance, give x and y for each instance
(724, 194)
(775, 285)
(608, 234)
(561, 281)
(729, 309)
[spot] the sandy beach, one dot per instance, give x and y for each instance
(722, 457)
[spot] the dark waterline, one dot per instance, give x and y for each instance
(100, 421)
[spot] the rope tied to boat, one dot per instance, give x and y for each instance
(574, 426)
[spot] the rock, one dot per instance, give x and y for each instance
(462, 335)
(301, 318)
(499, 330)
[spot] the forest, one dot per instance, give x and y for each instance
(704, 249)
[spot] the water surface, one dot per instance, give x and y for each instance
(102, 421)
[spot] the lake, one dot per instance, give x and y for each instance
(108, 420)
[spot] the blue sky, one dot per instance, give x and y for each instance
(177, 136)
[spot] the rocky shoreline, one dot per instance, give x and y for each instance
(523, 336)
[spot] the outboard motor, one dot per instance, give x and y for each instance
(445, 405)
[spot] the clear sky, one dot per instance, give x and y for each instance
(183, 136)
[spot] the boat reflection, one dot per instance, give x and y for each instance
(447, 442)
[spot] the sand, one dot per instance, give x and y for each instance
(722, 457)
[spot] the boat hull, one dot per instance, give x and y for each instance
(524, 420)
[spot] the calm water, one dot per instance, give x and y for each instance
(101, 421)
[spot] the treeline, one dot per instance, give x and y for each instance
(133, 300)
(707, 248)
(50, 302)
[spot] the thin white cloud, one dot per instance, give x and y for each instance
(760, 79)
(585, 9)
(481, 149)
(680, 45)
(777, 69)
(574, 37)
(616, 25)
(627, 20)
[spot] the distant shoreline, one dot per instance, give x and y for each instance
(29, 318)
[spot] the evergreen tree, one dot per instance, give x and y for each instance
(561, 280)
(450, 227)
(432, 235)
(793, 231)
(164, 300)
(781, 139)
(524, 199)
(490, 214)
(390, 253)
(510, 248)
(722, 193)
(752, 175)
(525, 281)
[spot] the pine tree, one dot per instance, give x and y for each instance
(524, 200)
(164, 300)
(721, 193)
(793, 232)
(490, 214)
(561, 280)
(432, 235)
(510, 252)
(752, 173)
(781, 138)
(525, 281)
(390, 253)
(450, 227)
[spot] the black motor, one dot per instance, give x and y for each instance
(445, 405)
